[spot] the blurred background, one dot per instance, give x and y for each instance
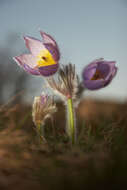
(84, 30)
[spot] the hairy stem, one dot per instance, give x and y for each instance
(71, 128)
(40, 132)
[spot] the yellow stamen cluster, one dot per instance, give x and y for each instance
(45, 58)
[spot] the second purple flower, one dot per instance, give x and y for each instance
(98, 74)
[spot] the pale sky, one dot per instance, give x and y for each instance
(84, 30)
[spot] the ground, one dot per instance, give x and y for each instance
(98, 160)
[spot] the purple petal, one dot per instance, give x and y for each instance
(27, 62)
(47, 39)
(91, 65)
(107, 81)
(48, 70)
(114, 71)
(112, 66)
(34, 45)
(54, 51)
(111, 63)
(51, 45)
(104, 69)
(89, 72)
(107, 68)
(94, 84)
(28, 59)
(31, 70)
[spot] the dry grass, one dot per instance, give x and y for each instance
(99, 160)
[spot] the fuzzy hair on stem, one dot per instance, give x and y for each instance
(66, 85)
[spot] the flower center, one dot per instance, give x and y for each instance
(97, 75)
(45, 58)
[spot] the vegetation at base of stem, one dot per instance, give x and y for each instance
(40, 133)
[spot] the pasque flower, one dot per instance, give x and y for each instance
(43, 107)
(98, 74)
(43, 58)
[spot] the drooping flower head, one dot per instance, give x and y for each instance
(43, 58)
(67, 82)
(43, 107)
(98, 74)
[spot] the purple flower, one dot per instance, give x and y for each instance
(98, 74)
(43, 58)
